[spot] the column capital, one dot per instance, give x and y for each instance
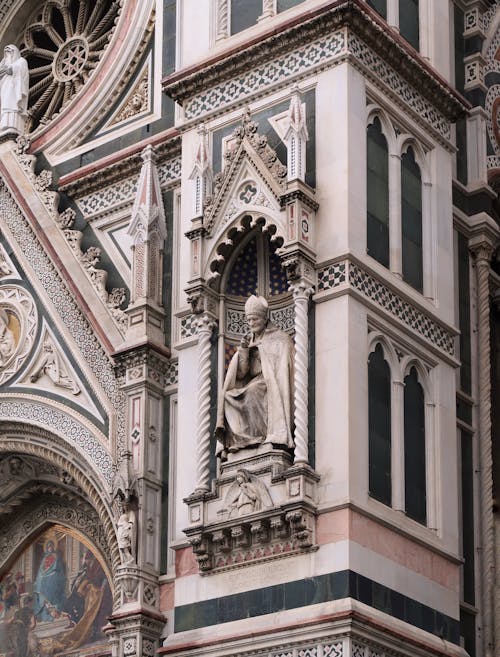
(484, 237)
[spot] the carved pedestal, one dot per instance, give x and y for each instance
(260, 508)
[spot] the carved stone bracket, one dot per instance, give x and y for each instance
(259, 512)
(236, 543)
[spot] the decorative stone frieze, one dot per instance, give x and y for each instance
(347, 273)
(327, 38)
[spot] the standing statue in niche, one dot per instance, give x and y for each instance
(255, 406)
(14, 88)
(127, 534)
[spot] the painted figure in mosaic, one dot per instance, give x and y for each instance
(7, 339)
(19, 631)
(126, 533)
(14, 88)
(50, 583)
(87, 605)
(255, 406)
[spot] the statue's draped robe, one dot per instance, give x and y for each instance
(258, 407)
(14, 96)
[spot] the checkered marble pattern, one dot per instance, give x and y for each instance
(332, 276)
(188, 327)
(172, 375)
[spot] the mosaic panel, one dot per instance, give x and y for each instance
(279, 70)
(283, 318)
(172, 375)
(55, 599)
(334, 275)
(331, 276)
(112, 196)
(333, 650)
(188, 326)
(358, 650)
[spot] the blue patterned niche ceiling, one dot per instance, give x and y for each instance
(243, 277)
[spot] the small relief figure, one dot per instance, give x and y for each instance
(14, 88)
(7, 339)
(255, 406)
(127, 534)
(247, 497)
(51, 364)
(246, 494)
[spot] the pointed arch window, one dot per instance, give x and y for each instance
(414, 448)
(377, 180)
(379, 426)
(411, 221)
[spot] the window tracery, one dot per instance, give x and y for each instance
(63, 42)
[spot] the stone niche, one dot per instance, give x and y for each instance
(261, 507)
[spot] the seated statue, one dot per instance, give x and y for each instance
(255, 406)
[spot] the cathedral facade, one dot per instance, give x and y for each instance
(249, 328)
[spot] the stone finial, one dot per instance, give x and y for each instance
(296, 137)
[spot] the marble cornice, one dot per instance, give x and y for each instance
(310, 25)
(119, 165)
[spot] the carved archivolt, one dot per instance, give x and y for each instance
(50, 449)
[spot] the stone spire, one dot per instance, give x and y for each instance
(202, 173)
(296, 137)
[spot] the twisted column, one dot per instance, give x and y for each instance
(301, 293)
(205, 328)
(483, 255)
(222, 20)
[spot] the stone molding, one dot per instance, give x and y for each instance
(350, 274)
(102, 175)
(354, 14)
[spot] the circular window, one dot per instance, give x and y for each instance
(63, 42)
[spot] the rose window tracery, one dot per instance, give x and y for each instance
(63, 42)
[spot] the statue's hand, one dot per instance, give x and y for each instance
(245, 341)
